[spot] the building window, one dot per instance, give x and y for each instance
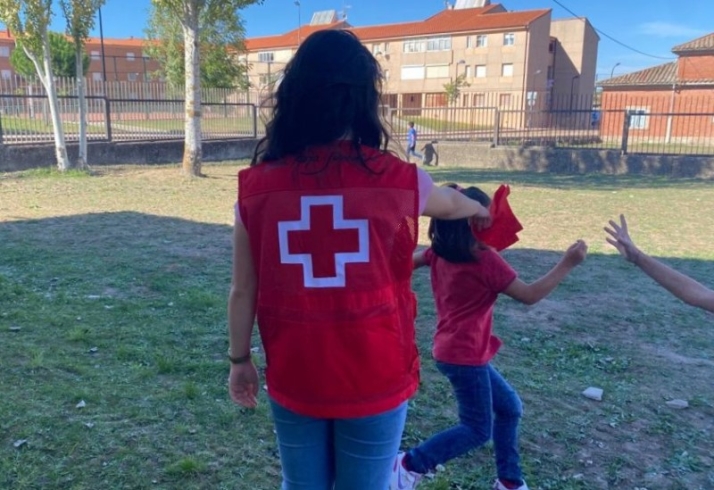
(386, 47)
(413, 72)
(638, 117)
(550, 73)
(431, 44)
(504, 100)
(6, 74)
(130, 57)
(95, 55)
(551, 47)
(481, 41)
(4, 51)
(386, 74)
(509, 39)
(479, 100)
(469, 71)
(97, 77)
(266, 57)
(439, 44)
(437, 71)
(375, 49)
(133, 77)
(480, 71)
(414, 46)
(469, 42)
(507, 70)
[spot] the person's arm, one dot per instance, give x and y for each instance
(448, 203)
(532, 293)
(680, 285)
(420, 259)
(243, 379)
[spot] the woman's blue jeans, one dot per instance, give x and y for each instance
(488, 409)
(338, 454)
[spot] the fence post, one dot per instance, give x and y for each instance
(255, 120)
(1, 141)
(496, 127)
(108, 118)
(626, 132)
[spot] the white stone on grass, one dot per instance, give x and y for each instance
(593, 393)
(678, 404)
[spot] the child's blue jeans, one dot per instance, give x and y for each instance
(488, 409)
(339, 454)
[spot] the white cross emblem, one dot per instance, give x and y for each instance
(338, 223)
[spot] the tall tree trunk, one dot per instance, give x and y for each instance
(192, 152)
(82, 101)
(44, 69)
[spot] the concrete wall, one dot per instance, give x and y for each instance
(21, 157)
(575, 55)
(572, 161)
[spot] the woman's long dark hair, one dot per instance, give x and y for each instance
(453, 240)
(330, 90)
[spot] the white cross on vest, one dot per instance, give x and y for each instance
(322, 244)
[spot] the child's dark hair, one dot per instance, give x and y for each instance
(330, 90)
(453, 240)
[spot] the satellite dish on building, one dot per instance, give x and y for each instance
(471, 4)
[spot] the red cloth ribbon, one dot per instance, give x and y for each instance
(505, 226)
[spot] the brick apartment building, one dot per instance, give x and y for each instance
(652, 97)
(124, 59)
(508, 58)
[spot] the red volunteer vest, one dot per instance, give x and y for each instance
(332, 244)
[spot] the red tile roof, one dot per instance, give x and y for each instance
(704, 43)
(289, 39)
(658, 76)
(92, 41)
(445, 22)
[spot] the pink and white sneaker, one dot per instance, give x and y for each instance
(497, 485)
(402, 478)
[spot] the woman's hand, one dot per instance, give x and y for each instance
(243, 384)
(481, 220)
(621, 240)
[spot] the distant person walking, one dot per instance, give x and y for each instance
(412, 142)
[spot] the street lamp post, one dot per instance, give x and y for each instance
(572, 84)
(101, 41)
(612, 72)
(297, 4)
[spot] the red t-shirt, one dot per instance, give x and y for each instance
(464, 295)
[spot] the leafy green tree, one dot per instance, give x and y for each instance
(29, 22)
(80, 15)
(221, 41)
(62, 57)
(194, 18)
(453, 88)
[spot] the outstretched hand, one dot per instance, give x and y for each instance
(243, 384)
(621, 240)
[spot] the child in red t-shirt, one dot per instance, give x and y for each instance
(466, 278)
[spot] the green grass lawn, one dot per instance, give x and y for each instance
(12, 125)
(240, 125)
(432, 124)
(113, 292)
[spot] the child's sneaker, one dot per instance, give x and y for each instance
(497, 485)
(402, 478)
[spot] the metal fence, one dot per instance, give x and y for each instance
(655, 125)
(26, 119)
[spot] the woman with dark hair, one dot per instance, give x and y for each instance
(326, 225)
(466, 279)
